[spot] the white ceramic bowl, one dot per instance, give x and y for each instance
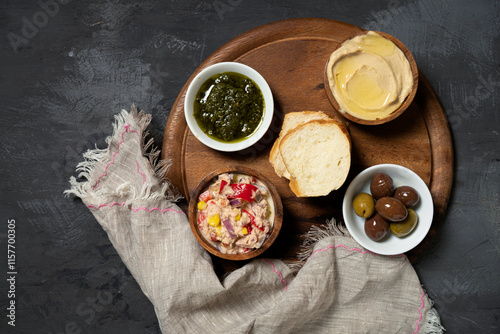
(195, 85)
(390, 244)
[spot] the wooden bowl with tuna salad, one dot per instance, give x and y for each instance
(235, 213)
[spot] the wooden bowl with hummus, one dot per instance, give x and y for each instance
(235, 213)
(371, 78)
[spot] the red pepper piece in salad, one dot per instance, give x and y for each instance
(244, 191)
(252, 220)
(201, 217)
(205, 196)
(222, 185)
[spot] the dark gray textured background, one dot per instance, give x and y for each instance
(83, 61)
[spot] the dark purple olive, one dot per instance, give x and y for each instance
(407, 195)
(381, 186)
(391, 209)
(376, 227)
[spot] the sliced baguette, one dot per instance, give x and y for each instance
(291, 121)
(317, 154)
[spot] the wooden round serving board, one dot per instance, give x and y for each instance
(291, 55)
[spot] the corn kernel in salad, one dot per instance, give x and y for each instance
(214, 220)
(202, 205)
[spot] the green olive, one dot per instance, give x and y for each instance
(405, 227)
(364, 205)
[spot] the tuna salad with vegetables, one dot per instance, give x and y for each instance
(235, 213)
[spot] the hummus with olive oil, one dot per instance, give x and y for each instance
(369, 76)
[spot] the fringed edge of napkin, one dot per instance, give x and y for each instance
(159, 167)
(317, 233)
(433, 325)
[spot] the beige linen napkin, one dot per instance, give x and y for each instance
(339, 288)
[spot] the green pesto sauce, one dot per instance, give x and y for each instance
(229, 107)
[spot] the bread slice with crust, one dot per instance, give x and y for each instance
(290, 122)
(317, 154)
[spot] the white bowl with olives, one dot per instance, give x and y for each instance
(388, 209)
(228, 106)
